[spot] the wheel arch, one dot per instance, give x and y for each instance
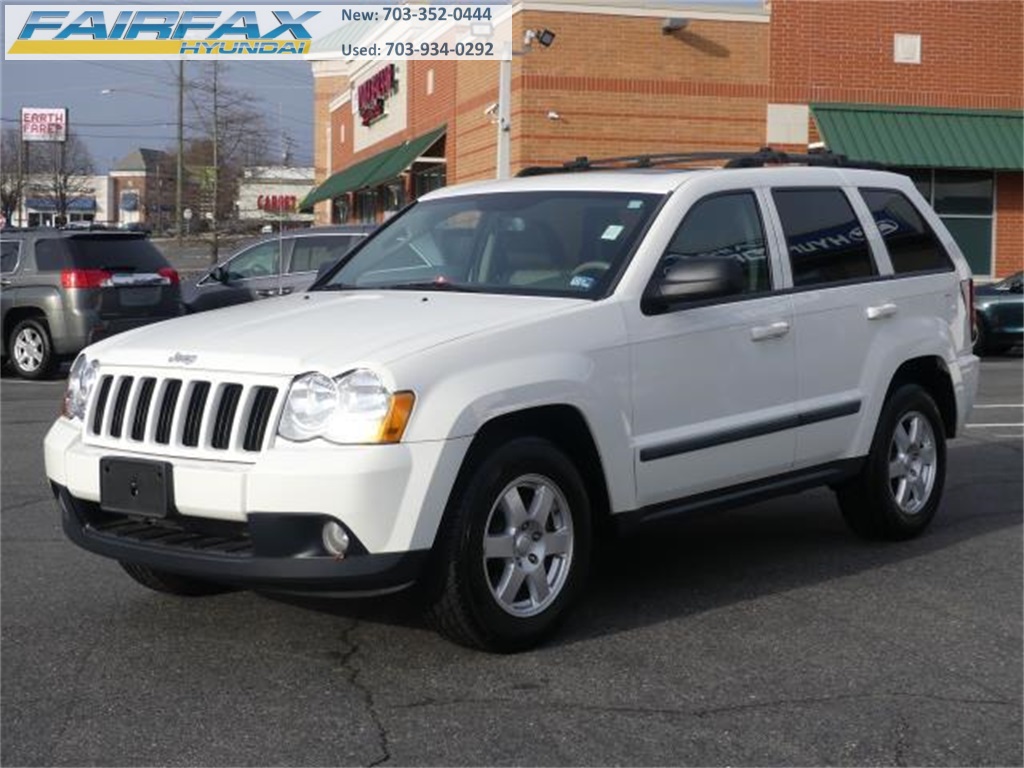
(932, 374)
(14, 316)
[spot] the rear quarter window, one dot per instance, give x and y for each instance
(912, 245)
(122, 254)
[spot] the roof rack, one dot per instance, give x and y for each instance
(764, 156)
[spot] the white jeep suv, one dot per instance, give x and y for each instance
(505, 368)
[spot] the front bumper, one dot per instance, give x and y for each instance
(269, 551)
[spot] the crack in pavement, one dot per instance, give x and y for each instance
(900, 747)
(352, 675)
(708, 711)
(29, 503)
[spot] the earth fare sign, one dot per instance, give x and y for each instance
(86, 31)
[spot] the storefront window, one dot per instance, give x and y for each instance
(964, 201)
(428, 180)
(963, 193)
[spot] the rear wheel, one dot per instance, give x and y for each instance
(898, 491)
(31, 352)
(515, 550)
(172, 583)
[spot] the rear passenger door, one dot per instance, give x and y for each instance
(308, 253)
(714, 380)
(841, 306)
(10, 251)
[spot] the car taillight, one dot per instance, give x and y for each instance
(83, 278)
(170, 273)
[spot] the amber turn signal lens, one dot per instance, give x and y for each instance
(393, 428)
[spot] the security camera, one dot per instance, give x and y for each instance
(552, 115)
(668, 26)
(491, 110)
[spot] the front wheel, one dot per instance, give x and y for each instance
(898, 491)
(515, 550)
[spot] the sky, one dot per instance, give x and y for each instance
(142, 109)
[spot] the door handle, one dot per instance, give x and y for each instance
(266, 293)
(882, 310)
(4, 282)
(773, 331)
(286, 291)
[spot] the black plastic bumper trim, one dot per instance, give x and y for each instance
(243, 567)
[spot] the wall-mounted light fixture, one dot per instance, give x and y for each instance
(543, 36)
(668, 26)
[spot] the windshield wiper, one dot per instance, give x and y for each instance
(338, 287)
(430, 285)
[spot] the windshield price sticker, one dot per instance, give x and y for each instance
(324, 32)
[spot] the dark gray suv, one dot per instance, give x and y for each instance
(64, 289)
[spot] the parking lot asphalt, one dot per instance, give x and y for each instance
(764, 635)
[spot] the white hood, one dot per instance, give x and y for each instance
(323, 331)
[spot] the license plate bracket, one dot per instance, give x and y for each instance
(136, 487)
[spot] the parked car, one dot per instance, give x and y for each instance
(64, 289)
(256, 271)
(506, 368)
(999, 312)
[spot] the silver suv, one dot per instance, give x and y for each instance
(273, 266)
(65, 289)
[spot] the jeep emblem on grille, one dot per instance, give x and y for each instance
(181, 357)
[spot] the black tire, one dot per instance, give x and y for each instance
(30, 350)
(466, 606)
(882, 503)
(172, 583)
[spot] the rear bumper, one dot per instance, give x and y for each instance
(271, 551)
(966, 388)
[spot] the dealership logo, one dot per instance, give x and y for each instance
(149, 31)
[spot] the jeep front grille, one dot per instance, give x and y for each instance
(181, 415)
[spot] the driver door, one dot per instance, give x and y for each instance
(254, 273)
(714, 379)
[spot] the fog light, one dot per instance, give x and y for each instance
(335, 539)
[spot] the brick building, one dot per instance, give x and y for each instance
(621, 79)
(614, 82)
(933, 88)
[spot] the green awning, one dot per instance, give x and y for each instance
(375, 170)
(924, 137)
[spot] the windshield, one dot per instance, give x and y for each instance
(553, 243)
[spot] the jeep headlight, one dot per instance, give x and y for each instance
(82, 378)
(355, 407)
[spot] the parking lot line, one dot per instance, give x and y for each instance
(986, 426)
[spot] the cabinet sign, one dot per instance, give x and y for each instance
(276, 203)
(374, 93)
(44, 124)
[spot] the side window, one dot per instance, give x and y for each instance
(912, 245)
(726, 226)
(823, 236)
(310, 252)
(259, 261)
(9, 255)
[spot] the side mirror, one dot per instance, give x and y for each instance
(219, 275)
(1017, 287)
(693, 279)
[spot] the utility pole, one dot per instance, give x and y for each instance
(216, 166)
(181, 149)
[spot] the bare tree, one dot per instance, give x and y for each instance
(12, 177)
(60, 173)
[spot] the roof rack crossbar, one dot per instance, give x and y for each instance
(764, 156)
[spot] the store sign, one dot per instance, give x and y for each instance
(375, 92)
(277, 203)
(44, 124)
